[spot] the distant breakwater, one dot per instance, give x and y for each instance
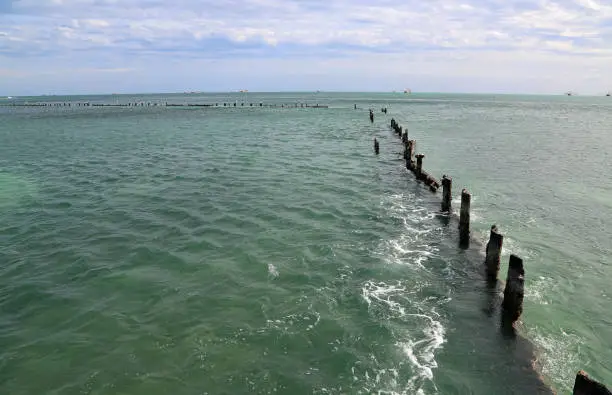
(72, 104)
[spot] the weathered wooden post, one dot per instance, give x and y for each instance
(399, 131)
(447, 184)
(464, 219)
(376, 146)
(411, 149)
(405, 137)
(419, 164)
(493, 257)
(514, 291)
(584, 385)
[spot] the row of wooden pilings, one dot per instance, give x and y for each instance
(515, 281)
(514, 290)
(166, 104)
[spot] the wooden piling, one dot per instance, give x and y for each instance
(514, 291)
(584, 385)
(447, 184)
(493, 255)
(419, 164)
(411, 148)
(376, 146)
(429, 180)
(464, 219)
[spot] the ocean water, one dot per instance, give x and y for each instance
(158, 250)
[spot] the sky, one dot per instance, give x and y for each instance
(130, 46)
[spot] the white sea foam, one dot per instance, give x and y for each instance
(272, 271)
(406, 248)
(421, 332)
(558, 355)
(512, 246)
(294, 323)
(397, 252)
(537, 290)
(393, 300)
(382, 293)
(421, 352)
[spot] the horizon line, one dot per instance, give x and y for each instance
(400, 92)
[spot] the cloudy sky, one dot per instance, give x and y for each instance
(105, 46)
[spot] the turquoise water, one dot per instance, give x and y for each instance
(265, 250)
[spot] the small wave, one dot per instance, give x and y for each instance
(294, 323)
(14, 189)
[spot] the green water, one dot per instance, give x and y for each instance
(267, 250)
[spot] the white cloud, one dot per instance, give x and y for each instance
(392, 23)
(95, 23)
(131, 29)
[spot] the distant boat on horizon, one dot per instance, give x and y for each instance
(608, 94)
(569, 93)
(407, 91)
